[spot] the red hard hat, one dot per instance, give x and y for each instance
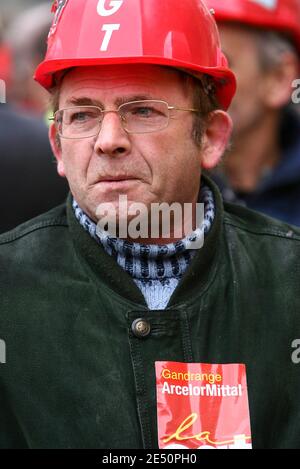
(280, 15)
(5, 63)
(179, 34)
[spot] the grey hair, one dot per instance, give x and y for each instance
(272, 46)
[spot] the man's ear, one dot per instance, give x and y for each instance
(215, 139)
(56, 148)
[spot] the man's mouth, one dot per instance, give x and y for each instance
(121, 178)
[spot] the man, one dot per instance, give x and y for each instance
(26, 36)
(29, 183)
(262, 42)
(85, 315)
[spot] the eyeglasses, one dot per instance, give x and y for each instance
(137, 117)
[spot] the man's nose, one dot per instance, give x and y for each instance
(112, 139)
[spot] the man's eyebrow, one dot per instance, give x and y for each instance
(85, 101)
(129, 98)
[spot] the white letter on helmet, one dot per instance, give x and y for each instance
(114, 7)
(109, 29)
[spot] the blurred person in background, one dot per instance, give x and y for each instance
(29, 183)
(5, 61)
(261, 39)
(27, 38)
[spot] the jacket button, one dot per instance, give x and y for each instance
(141, 328)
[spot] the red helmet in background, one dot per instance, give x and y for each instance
(280, 15)
(5, 63)
(180, 34)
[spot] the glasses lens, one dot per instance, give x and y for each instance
(144, 116)
(78, 122)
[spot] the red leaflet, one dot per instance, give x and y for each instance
(202, 406)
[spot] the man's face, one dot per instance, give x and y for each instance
(157, 167)
(248, 108)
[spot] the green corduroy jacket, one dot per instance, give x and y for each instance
(76, 376)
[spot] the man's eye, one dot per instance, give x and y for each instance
(79, 117)
(145, 111)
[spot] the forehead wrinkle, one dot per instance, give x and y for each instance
(143, 90)
(93, 93)
(103, 88)
(110, 78)
(110, 81)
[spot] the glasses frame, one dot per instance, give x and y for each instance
(122, 120)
